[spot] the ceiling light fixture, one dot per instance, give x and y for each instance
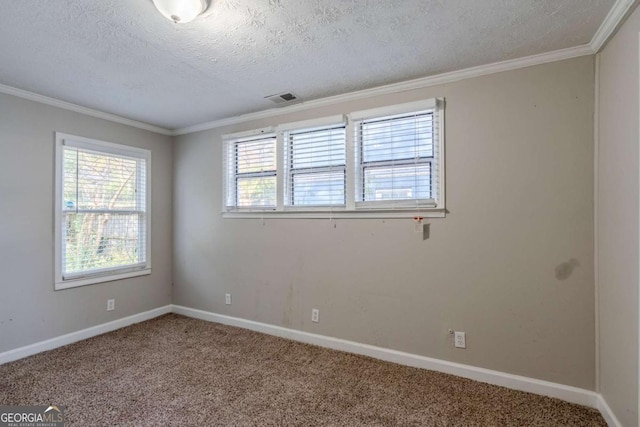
(181, 11)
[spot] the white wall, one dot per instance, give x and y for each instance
(520, 195)
(618, 217)
(30, 310)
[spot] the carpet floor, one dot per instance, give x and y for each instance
(177, 371)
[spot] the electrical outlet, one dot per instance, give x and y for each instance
(227, 299)
(111, 304)
(459, 339)
(315, 315)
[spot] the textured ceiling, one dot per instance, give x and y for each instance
(123, 57)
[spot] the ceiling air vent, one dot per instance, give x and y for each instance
(283, 99)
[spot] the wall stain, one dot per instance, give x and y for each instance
(565, 270)
(288, 308)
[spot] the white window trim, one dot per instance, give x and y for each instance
(410, 205)
(81, 279)
(233, 138)
(401, 209)
(322, 123)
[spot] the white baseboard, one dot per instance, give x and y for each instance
(50, 344)
(607, 413)
(515, 382)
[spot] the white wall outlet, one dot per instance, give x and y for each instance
(315, 315)
(111, 304)
(227, 299)
(459, 339)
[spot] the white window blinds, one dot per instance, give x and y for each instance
(251, 172)
(103, 209)
(397, 161)
(315, 167)
(384, 162)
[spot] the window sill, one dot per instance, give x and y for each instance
(362, 214)
(67, 284)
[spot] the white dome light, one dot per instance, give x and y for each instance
(181, 11)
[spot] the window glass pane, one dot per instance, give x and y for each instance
(317, 148)
(256, 156)
(102, 240)
(319, 188)
(101, 181)
(256, 191)
(397, 182)
(103, 222)
(397, 138)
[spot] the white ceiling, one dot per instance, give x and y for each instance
(123, 57)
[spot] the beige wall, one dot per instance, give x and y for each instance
(618, 218)
(520, 195)
(30, 310)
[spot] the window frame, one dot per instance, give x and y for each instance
(74, 280)
(230, 144)
(327, 123)
(352, 208)
(392, 113)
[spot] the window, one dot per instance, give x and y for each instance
(385, 162)
(251, 175)
(315, 163)
(102, 211)
(396, 161)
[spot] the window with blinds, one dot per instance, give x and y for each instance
(251, 173)
(384, 162)
(397, 161)
(315, 167)
(102, 211)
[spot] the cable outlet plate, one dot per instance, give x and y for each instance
(227, 299)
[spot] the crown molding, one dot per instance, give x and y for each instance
(424, 82)
(20, 93)
(614, 18)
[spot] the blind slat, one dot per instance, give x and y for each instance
(394, 162)
(103, 211)
(315, 166)
(251, 172)
(395, 157)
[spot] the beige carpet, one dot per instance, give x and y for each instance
(176, 371)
